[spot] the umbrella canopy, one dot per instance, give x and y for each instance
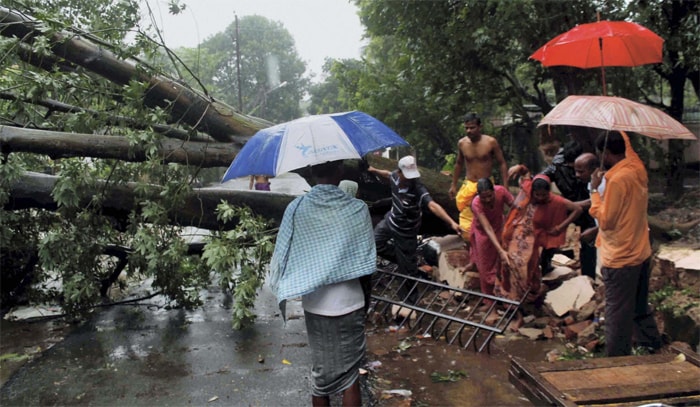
(601, 44)
(615, 113)
(312, 140)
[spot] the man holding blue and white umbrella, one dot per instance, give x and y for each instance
(324, 247)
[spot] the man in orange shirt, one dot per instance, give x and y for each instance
(623, 242)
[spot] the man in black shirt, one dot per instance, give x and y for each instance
(402, 223)
(561, 172)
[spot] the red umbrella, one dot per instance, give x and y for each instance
(601, 44)
(615, 113)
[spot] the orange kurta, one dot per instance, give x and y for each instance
(623, 236)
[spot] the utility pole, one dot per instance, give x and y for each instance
(238, 66)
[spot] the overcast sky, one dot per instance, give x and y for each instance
(321, 28)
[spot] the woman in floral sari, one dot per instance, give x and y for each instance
(538, 221)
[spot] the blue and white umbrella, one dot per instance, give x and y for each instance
(312, 140)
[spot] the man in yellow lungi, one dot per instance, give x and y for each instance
(476, 153)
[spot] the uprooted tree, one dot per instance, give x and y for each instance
(102, 150)
(116, 145)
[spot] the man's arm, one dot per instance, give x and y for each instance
(459, 164)
(377, 171)
(585, 204)
(502, 166)
(250, 184)
(589, 235)
(439, 211)
(574, 212)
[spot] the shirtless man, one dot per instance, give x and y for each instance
(476, 153)
(260, 182)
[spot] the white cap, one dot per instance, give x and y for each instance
(408, 167)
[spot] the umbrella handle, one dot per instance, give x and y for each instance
(605, 146)
(602, 65)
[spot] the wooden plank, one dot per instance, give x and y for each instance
(622, 375)
(690, 356)
(630, 393)
(570, 365)
(620, 381)
(534, 386)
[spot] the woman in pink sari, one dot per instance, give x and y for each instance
(486, 250)
(537, 221)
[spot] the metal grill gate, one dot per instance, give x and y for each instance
(440, 310)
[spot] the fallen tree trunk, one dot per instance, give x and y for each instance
(64, 145)
(33, 190)
(52, 106)
(200, 111)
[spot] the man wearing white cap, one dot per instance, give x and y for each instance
(402, 223)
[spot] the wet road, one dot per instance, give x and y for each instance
(134, 356)
(137, 356)
(150, 355)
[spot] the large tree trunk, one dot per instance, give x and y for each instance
(33, 190)
(64, 145)
(200, 111)
(167, 131)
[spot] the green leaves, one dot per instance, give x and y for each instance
(450, 376)
(268, 59)
(240, 257)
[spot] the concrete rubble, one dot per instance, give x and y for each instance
(574, 304)
(570, 295)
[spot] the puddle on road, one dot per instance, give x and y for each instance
(22, 341)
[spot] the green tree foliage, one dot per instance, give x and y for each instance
(428, 63)
(678, 22)
(339, 92)
(68, 249)
(271, 72)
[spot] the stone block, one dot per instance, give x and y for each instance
(678, 266)
(586, 311)
(572, 294)
(548, 332)
(572, 331)
(450, 266)
(587, 334)
(531, 333)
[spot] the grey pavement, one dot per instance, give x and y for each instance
(139, 355)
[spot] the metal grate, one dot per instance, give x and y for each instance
(440, 310)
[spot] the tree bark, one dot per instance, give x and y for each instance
(200, 111)
(122, 121)
(64, 145)
(33, 190)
